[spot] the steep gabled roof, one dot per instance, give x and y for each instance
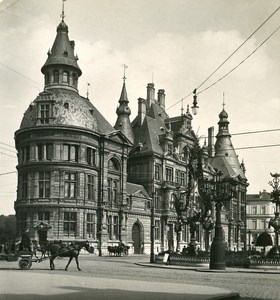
(221, 163)
(133, 189)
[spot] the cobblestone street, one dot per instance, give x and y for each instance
(249, 285)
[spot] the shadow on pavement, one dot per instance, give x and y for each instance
(112, 294)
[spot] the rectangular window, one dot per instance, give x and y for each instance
(263, 210)
(157, 233)
(26, 154)
(91, 184)
(169, 148)
(254, 210)
(109, 191)
(116, 227)
(70, 185)
(110, 227)
(177, 175)
(44, 113)
(184, 233)
(169, 174)
(91, 156)
(24, 185)
(115, 191)
(254, 224)
(157, 199)
(157, 172)
(235, 213)
(44, 184)
(44, 216)
(183, 178)
(70, 223)
(40, 152)
(49, 150)
(242, 213)
(70, 153)
(263, 224)
(90, 226)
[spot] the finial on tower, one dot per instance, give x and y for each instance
(182, 108)
(62, 14)
(224, 101)
(124, 67)
(88, 85)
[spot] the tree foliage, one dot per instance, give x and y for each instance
(264, 240)
(7, 228)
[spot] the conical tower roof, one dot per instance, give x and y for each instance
(62, 51)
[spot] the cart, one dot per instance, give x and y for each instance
(24, 258)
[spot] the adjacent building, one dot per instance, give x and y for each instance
(259, 211)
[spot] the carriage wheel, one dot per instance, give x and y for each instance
(25, 263)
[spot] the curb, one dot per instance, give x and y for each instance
(202, 269)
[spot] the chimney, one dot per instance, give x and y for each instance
(161, 98)
(141, 110)
(211, 147)
(150, 94)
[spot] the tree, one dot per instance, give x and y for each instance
(264, 240)
(7, 228)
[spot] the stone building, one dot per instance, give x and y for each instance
(72, 179)
(259, 211)
(159, 160)
(80, 178)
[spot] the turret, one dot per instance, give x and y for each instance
(123, 111)
(61, 69)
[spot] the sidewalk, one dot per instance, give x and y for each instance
(264, 270)
(28, 285)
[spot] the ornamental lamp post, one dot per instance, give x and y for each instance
(275, 198)
(195, 107)
(222, 191)
(152, 254)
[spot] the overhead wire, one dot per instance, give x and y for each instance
(238, 48)
(199, 92)
(221, 78)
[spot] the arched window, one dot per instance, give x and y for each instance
(75, 79)
(186, 153)
(65, 77)
(55, 76)
(114, 165)
(47, 78)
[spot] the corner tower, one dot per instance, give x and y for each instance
(61, 68)
(223, 146)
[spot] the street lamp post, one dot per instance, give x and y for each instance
(152, 254)
(222, 191)
(275, 198)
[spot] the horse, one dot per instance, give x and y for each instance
(58, 249)
(42, 247)
(118, 250)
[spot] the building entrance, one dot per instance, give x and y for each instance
(136, 238)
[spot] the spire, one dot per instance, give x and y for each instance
(62, 14)
(61, 68)
(123, 111)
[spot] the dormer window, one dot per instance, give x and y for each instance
(65, 77)
(55, 76)
(44, 113)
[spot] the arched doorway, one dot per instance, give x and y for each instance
(136, 238)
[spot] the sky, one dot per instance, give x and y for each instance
(176, 44)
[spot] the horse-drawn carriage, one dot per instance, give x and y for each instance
(120, 250)
(50, 250)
